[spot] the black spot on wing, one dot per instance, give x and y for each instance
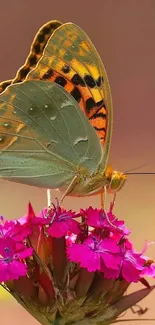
(48, 74)
(37, 48)
(90, 103)
(33, 60)
(66, 68)
(98, 114)
(24, 72)
(77, 80)
(61, 81)
(99, 81)
(41, 38)
(101, 103)
(76, 94)
(99, 129)
(90, 81)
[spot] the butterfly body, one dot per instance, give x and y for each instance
(56, 116)
(88, 185)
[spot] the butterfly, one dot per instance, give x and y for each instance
(56, 116)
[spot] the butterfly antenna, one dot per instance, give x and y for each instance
(133, 169)
(130, 171)
(141, 173)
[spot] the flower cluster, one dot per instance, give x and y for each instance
(79, 265)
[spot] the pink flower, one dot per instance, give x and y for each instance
(98, 218)
(61, 221)
(132, 262)
(13, 229)
(149, 268)
(104, 261)
(70, 238)
(131, 266)
(122, 229)
(11, 266)
(34, 227)
(94, 253)
(31, 220)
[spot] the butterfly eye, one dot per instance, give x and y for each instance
(117, 181)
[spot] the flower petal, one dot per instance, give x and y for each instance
(129, 272)
(11, 271)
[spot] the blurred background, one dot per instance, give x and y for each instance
(123, 32)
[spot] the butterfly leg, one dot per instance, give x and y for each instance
(49, 199)
(69, 188)
(103, 196)
(113, 203)
(103, 205)
(102, 199)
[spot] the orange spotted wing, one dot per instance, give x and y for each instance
(63, 53)
(36, 51)
(71, 60)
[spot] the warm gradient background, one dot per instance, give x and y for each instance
(124, 33)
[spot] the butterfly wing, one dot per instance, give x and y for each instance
(71, 60)
(5, 84)
(45, 139)
(36, 51)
